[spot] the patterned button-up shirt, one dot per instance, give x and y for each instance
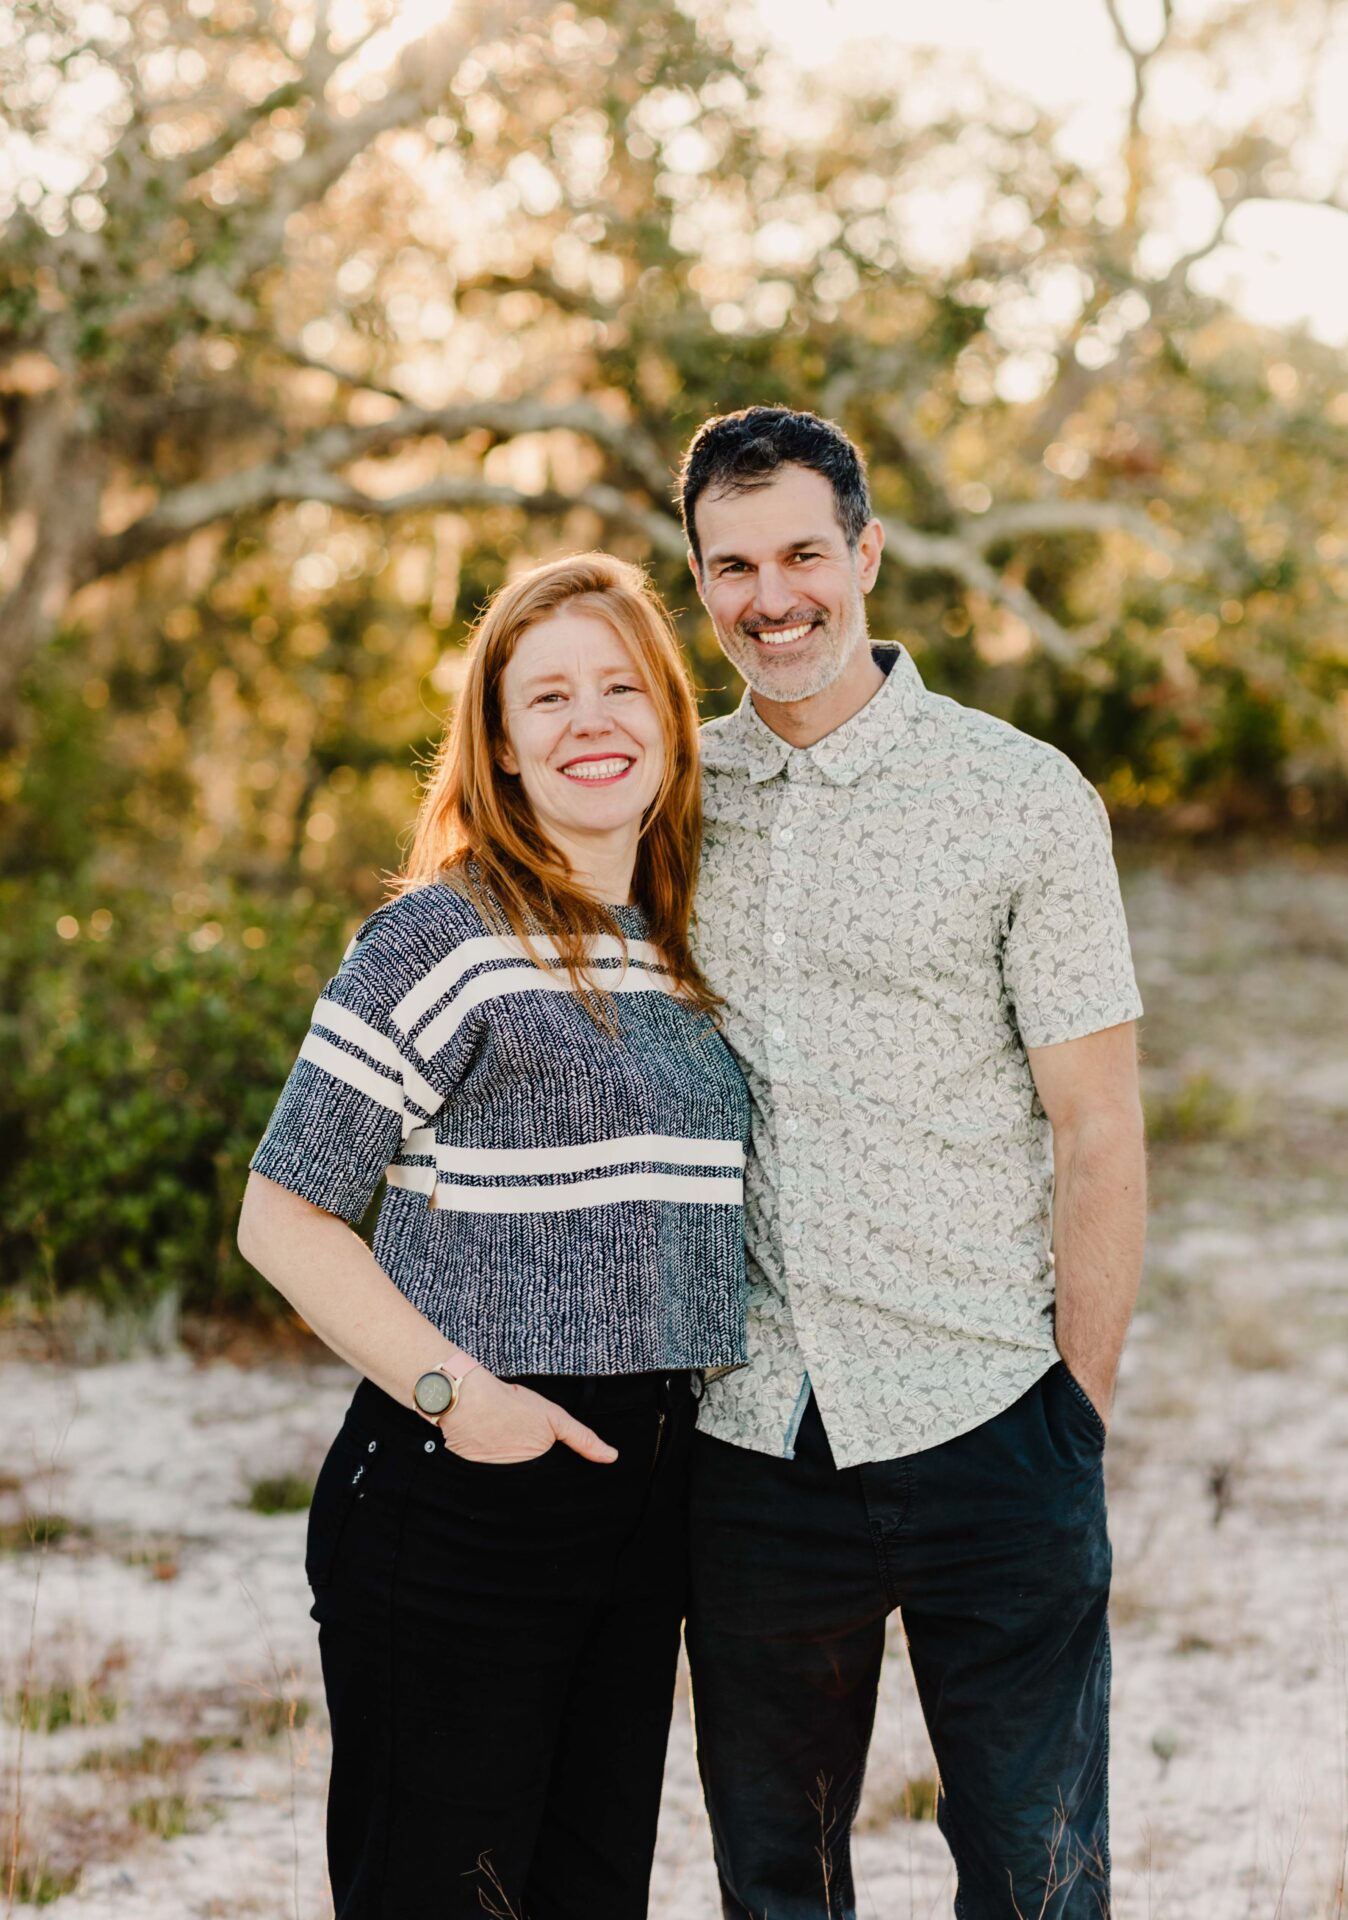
(893, 916)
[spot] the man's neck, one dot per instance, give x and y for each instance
(803, 722)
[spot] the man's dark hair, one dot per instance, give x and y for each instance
(736, 452)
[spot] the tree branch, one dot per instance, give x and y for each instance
(545, 284)
(1022, 519)
(948, 553)
(337, 445)
(1140, 58)
(311, 473)
(333, 142)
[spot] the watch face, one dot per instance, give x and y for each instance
(433, 1392)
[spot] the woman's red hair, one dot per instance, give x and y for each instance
(474, 821)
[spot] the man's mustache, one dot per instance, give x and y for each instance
(752, 628)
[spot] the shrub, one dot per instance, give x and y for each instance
(146, 1042)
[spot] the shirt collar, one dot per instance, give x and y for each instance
(854, 748)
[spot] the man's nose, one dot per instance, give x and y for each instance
(774, 596)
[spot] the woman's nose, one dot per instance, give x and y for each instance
(589, 714)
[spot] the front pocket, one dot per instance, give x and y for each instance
(1084, 1402)
(505, 1466)
(343, 1479)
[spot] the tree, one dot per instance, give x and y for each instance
(613, 219)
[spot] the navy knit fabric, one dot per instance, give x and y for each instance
(561, 1200)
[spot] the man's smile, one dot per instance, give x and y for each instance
(782, 636)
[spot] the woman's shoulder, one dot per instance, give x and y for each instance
(415, 930)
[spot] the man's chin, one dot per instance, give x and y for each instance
(791, 681)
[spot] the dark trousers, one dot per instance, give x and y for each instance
(499, 1647)
(994, 1545)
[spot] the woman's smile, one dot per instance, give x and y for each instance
(599, 771)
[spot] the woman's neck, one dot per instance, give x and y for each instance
(604, 871)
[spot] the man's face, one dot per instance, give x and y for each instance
(785, 592)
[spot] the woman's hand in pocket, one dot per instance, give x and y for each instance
(499, 1424)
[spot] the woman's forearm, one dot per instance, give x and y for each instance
(338, 1288)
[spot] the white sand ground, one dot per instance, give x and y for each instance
(1229, 1499)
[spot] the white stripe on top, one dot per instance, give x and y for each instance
(349, 1026)
(355, 1073)
(507, 980)
(682, 1188)
(633, 1149)
(447, 973)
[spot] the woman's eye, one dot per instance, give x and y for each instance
(542, 698)
(622, 686)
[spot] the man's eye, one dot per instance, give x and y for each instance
(806, 554)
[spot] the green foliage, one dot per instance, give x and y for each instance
(36, 1884)
(166, 1815)
(34, 1531)
(616, 207)
(48, 1708)
(147, 1048)
(281, 1493)
(1200, 1109)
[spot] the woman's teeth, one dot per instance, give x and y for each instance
(784, 635)
(596, 769)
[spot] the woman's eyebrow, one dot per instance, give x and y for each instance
(532, 682)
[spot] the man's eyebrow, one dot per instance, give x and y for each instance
(719, 555)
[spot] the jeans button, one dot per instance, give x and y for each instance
(372, 1446)
(429, 1447)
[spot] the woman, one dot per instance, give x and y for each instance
(521, 1043)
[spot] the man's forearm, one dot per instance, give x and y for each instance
(1099, 1229)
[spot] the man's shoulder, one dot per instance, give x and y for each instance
(992, 749)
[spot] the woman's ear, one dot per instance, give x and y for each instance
(505, 758)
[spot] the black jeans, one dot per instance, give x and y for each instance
(499, 1647)
(994, 1545)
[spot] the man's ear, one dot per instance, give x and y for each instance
(697, 576)
(870, 545)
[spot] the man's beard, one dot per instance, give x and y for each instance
(831, 648)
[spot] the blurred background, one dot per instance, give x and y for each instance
(317, 319)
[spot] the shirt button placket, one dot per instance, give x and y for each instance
(782, 919)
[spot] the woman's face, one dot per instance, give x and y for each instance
(582, 733)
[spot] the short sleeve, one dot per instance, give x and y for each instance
(361, 1085)
(1066, 962)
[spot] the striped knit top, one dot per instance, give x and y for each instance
(560, 1199)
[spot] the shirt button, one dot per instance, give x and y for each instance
(793, 1234)
(779, 1034)
(790, 1123)
(779, 938)
(786, 836)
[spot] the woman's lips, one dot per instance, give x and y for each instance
(600, 771)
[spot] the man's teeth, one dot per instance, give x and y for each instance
(596, 769)
(783, 634)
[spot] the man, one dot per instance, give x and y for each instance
(912, 912)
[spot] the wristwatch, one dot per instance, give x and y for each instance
(437, 1393)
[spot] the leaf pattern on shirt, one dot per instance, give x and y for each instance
(893, 916)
